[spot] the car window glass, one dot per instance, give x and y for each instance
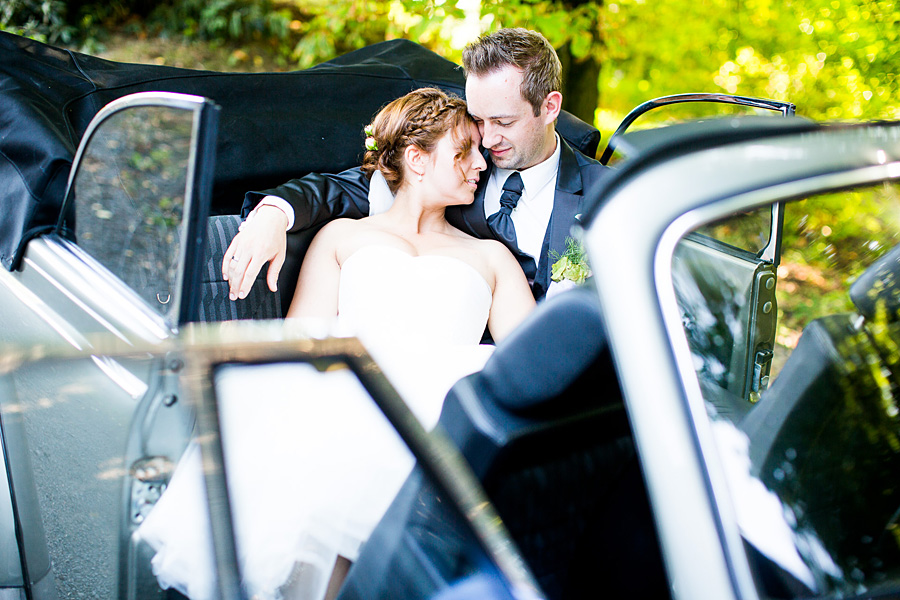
(813, 464)
(294, 482)
(727, 299)
(129, 198)
(749, 231)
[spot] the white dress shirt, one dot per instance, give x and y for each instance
(279, 203)
(531, 216)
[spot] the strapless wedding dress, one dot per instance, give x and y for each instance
(312, 463)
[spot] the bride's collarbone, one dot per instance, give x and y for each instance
(448, 242)
(413, 243)
(412, 249)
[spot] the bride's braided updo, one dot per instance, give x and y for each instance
(419, 119)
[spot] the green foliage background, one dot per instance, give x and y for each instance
(835, 59)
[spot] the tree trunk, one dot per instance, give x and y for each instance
(581, 92)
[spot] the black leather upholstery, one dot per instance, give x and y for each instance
(554, 362)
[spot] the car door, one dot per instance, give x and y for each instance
(810, 466)
(793, 496)
(121, 262)
(741, 252)
(220, 361)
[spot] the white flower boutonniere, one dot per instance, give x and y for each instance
(569, 269)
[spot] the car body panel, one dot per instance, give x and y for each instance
(70, 421)
(702, 545)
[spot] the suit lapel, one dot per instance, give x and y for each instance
(566, 205)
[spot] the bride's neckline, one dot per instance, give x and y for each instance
(422, 256)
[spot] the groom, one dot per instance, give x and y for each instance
(528, 198)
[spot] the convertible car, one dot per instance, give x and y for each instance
(713, 414)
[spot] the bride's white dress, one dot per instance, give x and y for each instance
(312, 463)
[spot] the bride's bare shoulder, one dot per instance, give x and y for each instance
(339, 225)
(492, 248)
(335, 231)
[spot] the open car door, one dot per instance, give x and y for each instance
(122, 262)
(221, 364)
(741, 253)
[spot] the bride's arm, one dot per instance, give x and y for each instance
(512, 297)
(317, 286)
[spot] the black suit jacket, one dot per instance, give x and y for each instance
(319, 198)
(577, 173)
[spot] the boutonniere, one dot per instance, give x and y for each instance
(571, 265)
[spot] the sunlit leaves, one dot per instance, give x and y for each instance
(580, 25)
(834, 59)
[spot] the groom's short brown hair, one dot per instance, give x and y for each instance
(526, 50)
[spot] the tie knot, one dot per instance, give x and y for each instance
(512, 191)
(514, 183)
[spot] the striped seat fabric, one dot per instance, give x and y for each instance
(214, 302)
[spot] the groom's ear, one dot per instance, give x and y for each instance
(552, 106)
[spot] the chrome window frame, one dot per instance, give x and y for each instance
(198, 182)
(95, 290)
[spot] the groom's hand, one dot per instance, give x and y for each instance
(261, 239)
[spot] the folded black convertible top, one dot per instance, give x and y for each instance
(273, 126)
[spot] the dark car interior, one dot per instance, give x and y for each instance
(823, 436)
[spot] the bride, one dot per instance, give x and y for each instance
(312, 463)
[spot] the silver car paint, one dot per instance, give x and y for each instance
(640, 224)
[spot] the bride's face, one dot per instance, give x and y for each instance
(456, 165)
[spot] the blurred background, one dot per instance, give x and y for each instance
(834, 59)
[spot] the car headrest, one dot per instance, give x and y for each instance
(579, 134)
(547, 352)
(879, 284)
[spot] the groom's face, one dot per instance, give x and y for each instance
(510, 131)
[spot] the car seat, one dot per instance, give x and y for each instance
(544, 428)
(825, 438)
(215, 305)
